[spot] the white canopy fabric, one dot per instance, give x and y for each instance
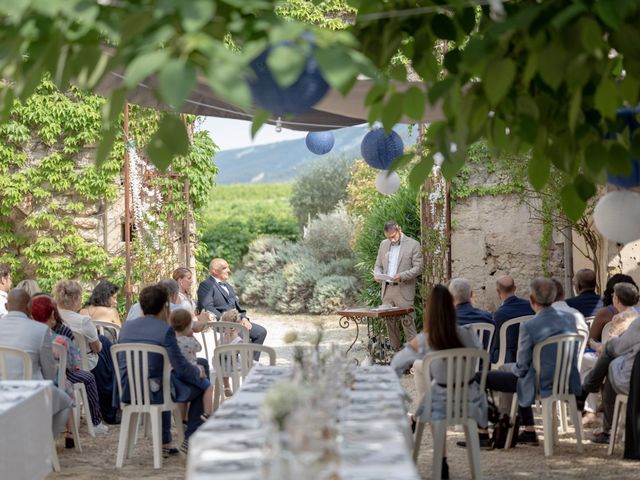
(332, 112)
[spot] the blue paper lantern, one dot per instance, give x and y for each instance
(320, 142)
(379, 150)
(299, 97)
(628, 117)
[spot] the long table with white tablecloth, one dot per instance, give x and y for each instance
(25, 429)
(373, 441)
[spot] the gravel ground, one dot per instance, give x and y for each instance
(97, 460)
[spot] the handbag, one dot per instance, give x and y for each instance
(501, 425)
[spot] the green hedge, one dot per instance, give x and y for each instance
(238, 214)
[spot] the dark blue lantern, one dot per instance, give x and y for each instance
(628, 117)
(320, 142)
(379, 150)
(299, 97)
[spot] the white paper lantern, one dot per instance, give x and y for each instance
(617, 216)
(387, 183)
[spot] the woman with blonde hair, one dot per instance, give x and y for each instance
(68, 296)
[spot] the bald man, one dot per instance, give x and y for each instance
(215, 295)
(18, 330)
(587, 301)
(511, 307)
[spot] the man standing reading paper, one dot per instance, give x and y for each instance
(398, 265)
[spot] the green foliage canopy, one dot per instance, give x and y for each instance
(545, 78)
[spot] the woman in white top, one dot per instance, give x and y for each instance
(68, 296)
(184, 277)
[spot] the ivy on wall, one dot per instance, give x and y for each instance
(50, 184)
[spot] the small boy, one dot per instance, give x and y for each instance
(180, 320)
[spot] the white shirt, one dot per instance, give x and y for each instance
(3, 303)
(394, 253)
(186, 303)
(222, 285)
(83, 325)
(563, 306)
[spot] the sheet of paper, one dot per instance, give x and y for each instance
(382, 277)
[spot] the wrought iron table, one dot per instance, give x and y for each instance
(376, 319)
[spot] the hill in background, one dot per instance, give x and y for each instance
(283, 161)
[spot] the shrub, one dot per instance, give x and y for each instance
(321, 188)
(332, 293)
(330, 236)
(316, 275)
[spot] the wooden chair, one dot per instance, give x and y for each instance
(134, 359)
(502, 355)
(567, 346)
(235, 362)
(61, 352)
(27, 374)
(460, 364)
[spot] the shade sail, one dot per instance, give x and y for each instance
(332, 112)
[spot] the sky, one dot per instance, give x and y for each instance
(229, 134)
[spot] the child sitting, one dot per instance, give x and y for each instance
(180, 320)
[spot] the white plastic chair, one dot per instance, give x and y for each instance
(27, 374)
(80, 341)
(61, 352)
(562, 407)
(460, 364)
(502, 355)
(618, 410)
(27, 367)
(481, 328)
(221, 331)
(567, 346)
(235, 361)
(136, 364)
(103, 326)
(589, 320)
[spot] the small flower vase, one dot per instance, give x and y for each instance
(279, 458)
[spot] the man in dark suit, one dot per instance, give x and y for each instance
(512, 307)
(587, 302)
(215, 295)
(153, 328)
(466, 313)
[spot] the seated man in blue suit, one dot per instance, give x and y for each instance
(512, 307)
(466, 314)
(153, 328)
(587, 302)
(215, 295)
(547, 323)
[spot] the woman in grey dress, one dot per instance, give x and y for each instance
(441, 332)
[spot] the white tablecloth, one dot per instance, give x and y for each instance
(375, 439)
(25, 429)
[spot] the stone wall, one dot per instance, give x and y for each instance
(498, 235)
